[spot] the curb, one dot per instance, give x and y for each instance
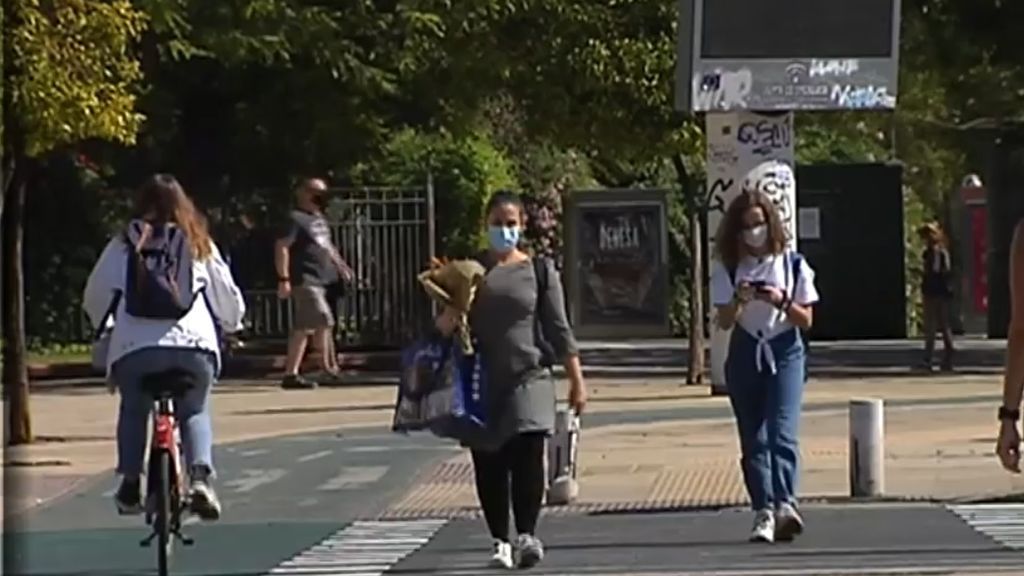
(235, 366)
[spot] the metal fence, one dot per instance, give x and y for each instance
(387, 236)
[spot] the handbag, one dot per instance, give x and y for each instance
(101, 338)
(442, 390)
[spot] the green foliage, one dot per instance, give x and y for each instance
(76, 75)
(465, 171)
(914, 214)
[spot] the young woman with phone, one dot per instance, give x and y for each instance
(765, 293)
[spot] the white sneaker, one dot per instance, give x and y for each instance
(788, 523)
(530, 550)
(502, 556)
(764, 527)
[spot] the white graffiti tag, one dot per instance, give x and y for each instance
(862, 97)
(833, 67)
(722, 90)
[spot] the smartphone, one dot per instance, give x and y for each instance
(758, 285)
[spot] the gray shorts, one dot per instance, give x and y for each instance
(312, 311)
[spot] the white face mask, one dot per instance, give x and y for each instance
(756, 237)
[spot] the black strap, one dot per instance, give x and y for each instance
(540, 272)
(106, 315)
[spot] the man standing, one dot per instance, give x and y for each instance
(307, 262)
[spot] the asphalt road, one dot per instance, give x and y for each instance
(280, 496)
(296, 505)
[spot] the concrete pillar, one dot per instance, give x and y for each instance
(736, 143)
(867, 448)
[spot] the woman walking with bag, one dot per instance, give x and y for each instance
(765, 293)
(512, 303)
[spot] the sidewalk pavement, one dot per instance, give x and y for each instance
(940, 449)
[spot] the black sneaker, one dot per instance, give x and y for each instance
(297, 382)
(128, 497)
(330, 378)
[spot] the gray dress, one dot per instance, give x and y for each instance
(521, 394)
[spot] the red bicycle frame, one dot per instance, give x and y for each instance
(163, 433)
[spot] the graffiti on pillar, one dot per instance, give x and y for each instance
(715, 198)
(765, 137)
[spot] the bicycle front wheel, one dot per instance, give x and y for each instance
(163, 512)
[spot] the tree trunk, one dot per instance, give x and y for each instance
(695, 369)
(15, 368)
(695, 372)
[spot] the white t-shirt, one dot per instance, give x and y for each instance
(761, 319)
(196, 329)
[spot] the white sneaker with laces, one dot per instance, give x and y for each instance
(530, 550)
(502, 555)
(788, 523)
(764, 527)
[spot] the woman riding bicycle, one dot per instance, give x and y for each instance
(165, 250)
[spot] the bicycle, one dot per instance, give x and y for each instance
(166, 495)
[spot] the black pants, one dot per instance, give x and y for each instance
(515, 472)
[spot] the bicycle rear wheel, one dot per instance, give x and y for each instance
(163, 512)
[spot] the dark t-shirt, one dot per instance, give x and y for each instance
(309, 256)
(937, 273)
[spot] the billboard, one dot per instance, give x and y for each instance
(787, 55)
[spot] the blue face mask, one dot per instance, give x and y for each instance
(503, 238)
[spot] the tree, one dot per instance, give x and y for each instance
(69, 75)
(592, 77)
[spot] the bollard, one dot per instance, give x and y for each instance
(867, 448)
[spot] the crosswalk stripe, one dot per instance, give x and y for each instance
(1003, 523)
(368, 548)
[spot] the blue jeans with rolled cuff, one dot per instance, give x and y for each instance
(193, 410)
(766, 398)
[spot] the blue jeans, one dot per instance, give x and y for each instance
(767, 410)
(192, 410)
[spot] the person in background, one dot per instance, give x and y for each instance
(767, 293)
(508, 461)
(140, 346)
(307, 262)
(937, 292)
(1008, 444)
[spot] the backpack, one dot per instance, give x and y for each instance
(158, 278)
(796, 261)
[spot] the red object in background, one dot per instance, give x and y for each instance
(979, 257)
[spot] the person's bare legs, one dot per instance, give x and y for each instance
(293, 361)
(322, 337)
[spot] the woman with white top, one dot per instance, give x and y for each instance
(140, 346)
(765, 293)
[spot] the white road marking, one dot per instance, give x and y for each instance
(1003, 523)
(354, 477)
(315, 456)
(252, 479)
(362, 549)
(256, 452)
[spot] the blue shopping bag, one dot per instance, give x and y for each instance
(442, 390)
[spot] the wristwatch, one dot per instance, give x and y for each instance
(1009, 414)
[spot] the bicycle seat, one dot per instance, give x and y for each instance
(172, 382)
